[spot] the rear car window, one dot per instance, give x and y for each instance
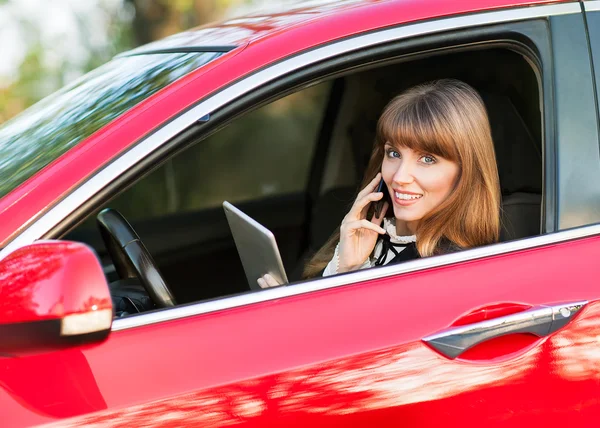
(48, 129)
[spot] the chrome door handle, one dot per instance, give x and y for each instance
(540, 320)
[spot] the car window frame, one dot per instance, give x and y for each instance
(576, 196)
(592, 23)
(48, 223)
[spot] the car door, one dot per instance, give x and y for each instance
(350, 350)
(371, 347)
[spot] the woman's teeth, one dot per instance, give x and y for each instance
(406, 196)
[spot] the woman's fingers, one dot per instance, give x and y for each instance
(363, 224)
(365, 197)
(356, 212)
(378, 220)
(272, 282)
(267, 281)
(369, 188)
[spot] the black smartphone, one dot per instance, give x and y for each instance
(381, 187)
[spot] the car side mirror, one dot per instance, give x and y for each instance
(53, 294)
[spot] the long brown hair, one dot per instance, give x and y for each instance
(446, 118)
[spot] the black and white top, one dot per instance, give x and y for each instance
(388, 247)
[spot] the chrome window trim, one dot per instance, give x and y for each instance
(184, 50)
(591, 6)
(352, 278)
(39, 227)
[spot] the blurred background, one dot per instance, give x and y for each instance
(46, 44)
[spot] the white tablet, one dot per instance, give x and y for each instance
(256, 246)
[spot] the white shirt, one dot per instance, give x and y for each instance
(390, 227)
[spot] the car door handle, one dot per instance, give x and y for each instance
(540, 320)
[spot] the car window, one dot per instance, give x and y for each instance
(48, 129)
(261, 162)
(264, 153)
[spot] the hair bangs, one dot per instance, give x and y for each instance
(418, 127)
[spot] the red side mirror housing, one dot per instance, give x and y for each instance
(52, 294)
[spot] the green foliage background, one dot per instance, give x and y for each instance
(134, 23)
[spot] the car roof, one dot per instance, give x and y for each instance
(227, 34)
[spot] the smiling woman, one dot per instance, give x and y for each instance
(435, 155)
(444, 125)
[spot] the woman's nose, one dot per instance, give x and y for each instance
(404, 174)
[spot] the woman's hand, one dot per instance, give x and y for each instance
(358, 235)
(267, 281)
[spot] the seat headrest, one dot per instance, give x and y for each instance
(520, 216)
(519, 157)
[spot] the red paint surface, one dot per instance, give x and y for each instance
(342, 357)
(49, 280)
(350, 356)
(270, 39)
(490, 312)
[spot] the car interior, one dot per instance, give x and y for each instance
(295, 165)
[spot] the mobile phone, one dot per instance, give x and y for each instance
(381, 187)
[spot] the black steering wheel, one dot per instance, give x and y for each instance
(131, 258)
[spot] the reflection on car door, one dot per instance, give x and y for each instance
(355, 355)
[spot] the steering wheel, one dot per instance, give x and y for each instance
(131, 258)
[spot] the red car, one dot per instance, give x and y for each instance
(276, 113)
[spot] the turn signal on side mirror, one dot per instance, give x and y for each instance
(53, 294)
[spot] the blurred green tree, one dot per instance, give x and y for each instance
(160, 18)
(134, 23)
(36, 77)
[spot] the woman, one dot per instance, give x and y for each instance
(435, 154)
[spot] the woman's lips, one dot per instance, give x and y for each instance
(403, 201)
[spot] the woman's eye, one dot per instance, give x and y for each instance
(392, 153)
(428, 160)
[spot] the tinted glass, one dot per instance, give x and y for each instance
(593, 19)
(51, 127)
(264, 153)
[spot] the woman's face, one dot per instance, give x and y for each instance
(417, 182)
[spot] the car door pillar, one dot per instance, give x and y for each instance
(577, 168)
